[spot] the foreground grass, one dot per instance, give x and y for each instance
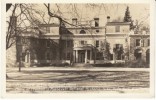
(44, 80)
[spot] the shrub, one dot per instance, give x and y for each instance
(137, 64)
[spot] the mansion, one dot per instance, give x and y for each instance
(83, 42)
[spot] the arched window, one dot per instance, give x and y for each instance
(82, 32)
(27, 56)
(138, 53)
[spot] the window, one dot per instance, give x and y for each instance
(47, 55)
(83, 42)
(48, 29)
(142, 43)
(23, 57)
(48, 43)
(138, 53)
(82, 32)
(25, 41)
(96, 24)
(97, 31)
(111, 56)
(99, 56)
(137, 42)
(97, 43)
(148, 42)
(117, 29)
(118, 46)
(68, 43)
(118, 51)
(68, 56)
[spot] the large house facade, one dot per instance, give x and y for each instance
(83, 42)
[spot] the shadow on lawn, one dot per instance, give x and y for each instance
(84, 76)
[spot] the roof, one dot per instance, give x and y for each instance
(86, 27)
(29, 34)
(49, 25)
(118, 23)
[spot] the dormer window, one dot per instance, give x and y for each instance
(96, 22)
(74, 21)
(82, 32)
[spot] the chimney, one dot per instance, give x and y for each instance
(108, 18)
(13, 21)
(74, 21)
(96, 22)
(13, 24)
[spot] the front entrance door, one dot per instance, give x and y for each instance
(82, 57)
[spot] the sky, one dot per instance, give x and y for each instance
(86, 12)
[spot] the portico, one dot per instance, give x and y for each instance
(82, 54)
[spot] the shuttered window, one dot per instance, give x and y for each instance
(137, 42)
(97, 43)
(148, 42)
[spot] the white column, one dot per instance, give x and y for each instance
(29, 57)
(76, 56)
(90, 54)
(86, 56)
(66, 51)
(73, 56)
(114, 57)
(26, 58)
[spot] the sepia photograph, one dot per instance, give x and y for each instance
(78, 48)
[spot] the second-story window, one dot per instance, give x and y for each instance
(68, 43)
(142, 43)
(117, 28)
(48, 43)
(137, 42)
(96, 24)
(83, 42)
(97, 43)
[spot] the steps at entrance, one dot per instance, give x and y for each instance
(81, 65)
